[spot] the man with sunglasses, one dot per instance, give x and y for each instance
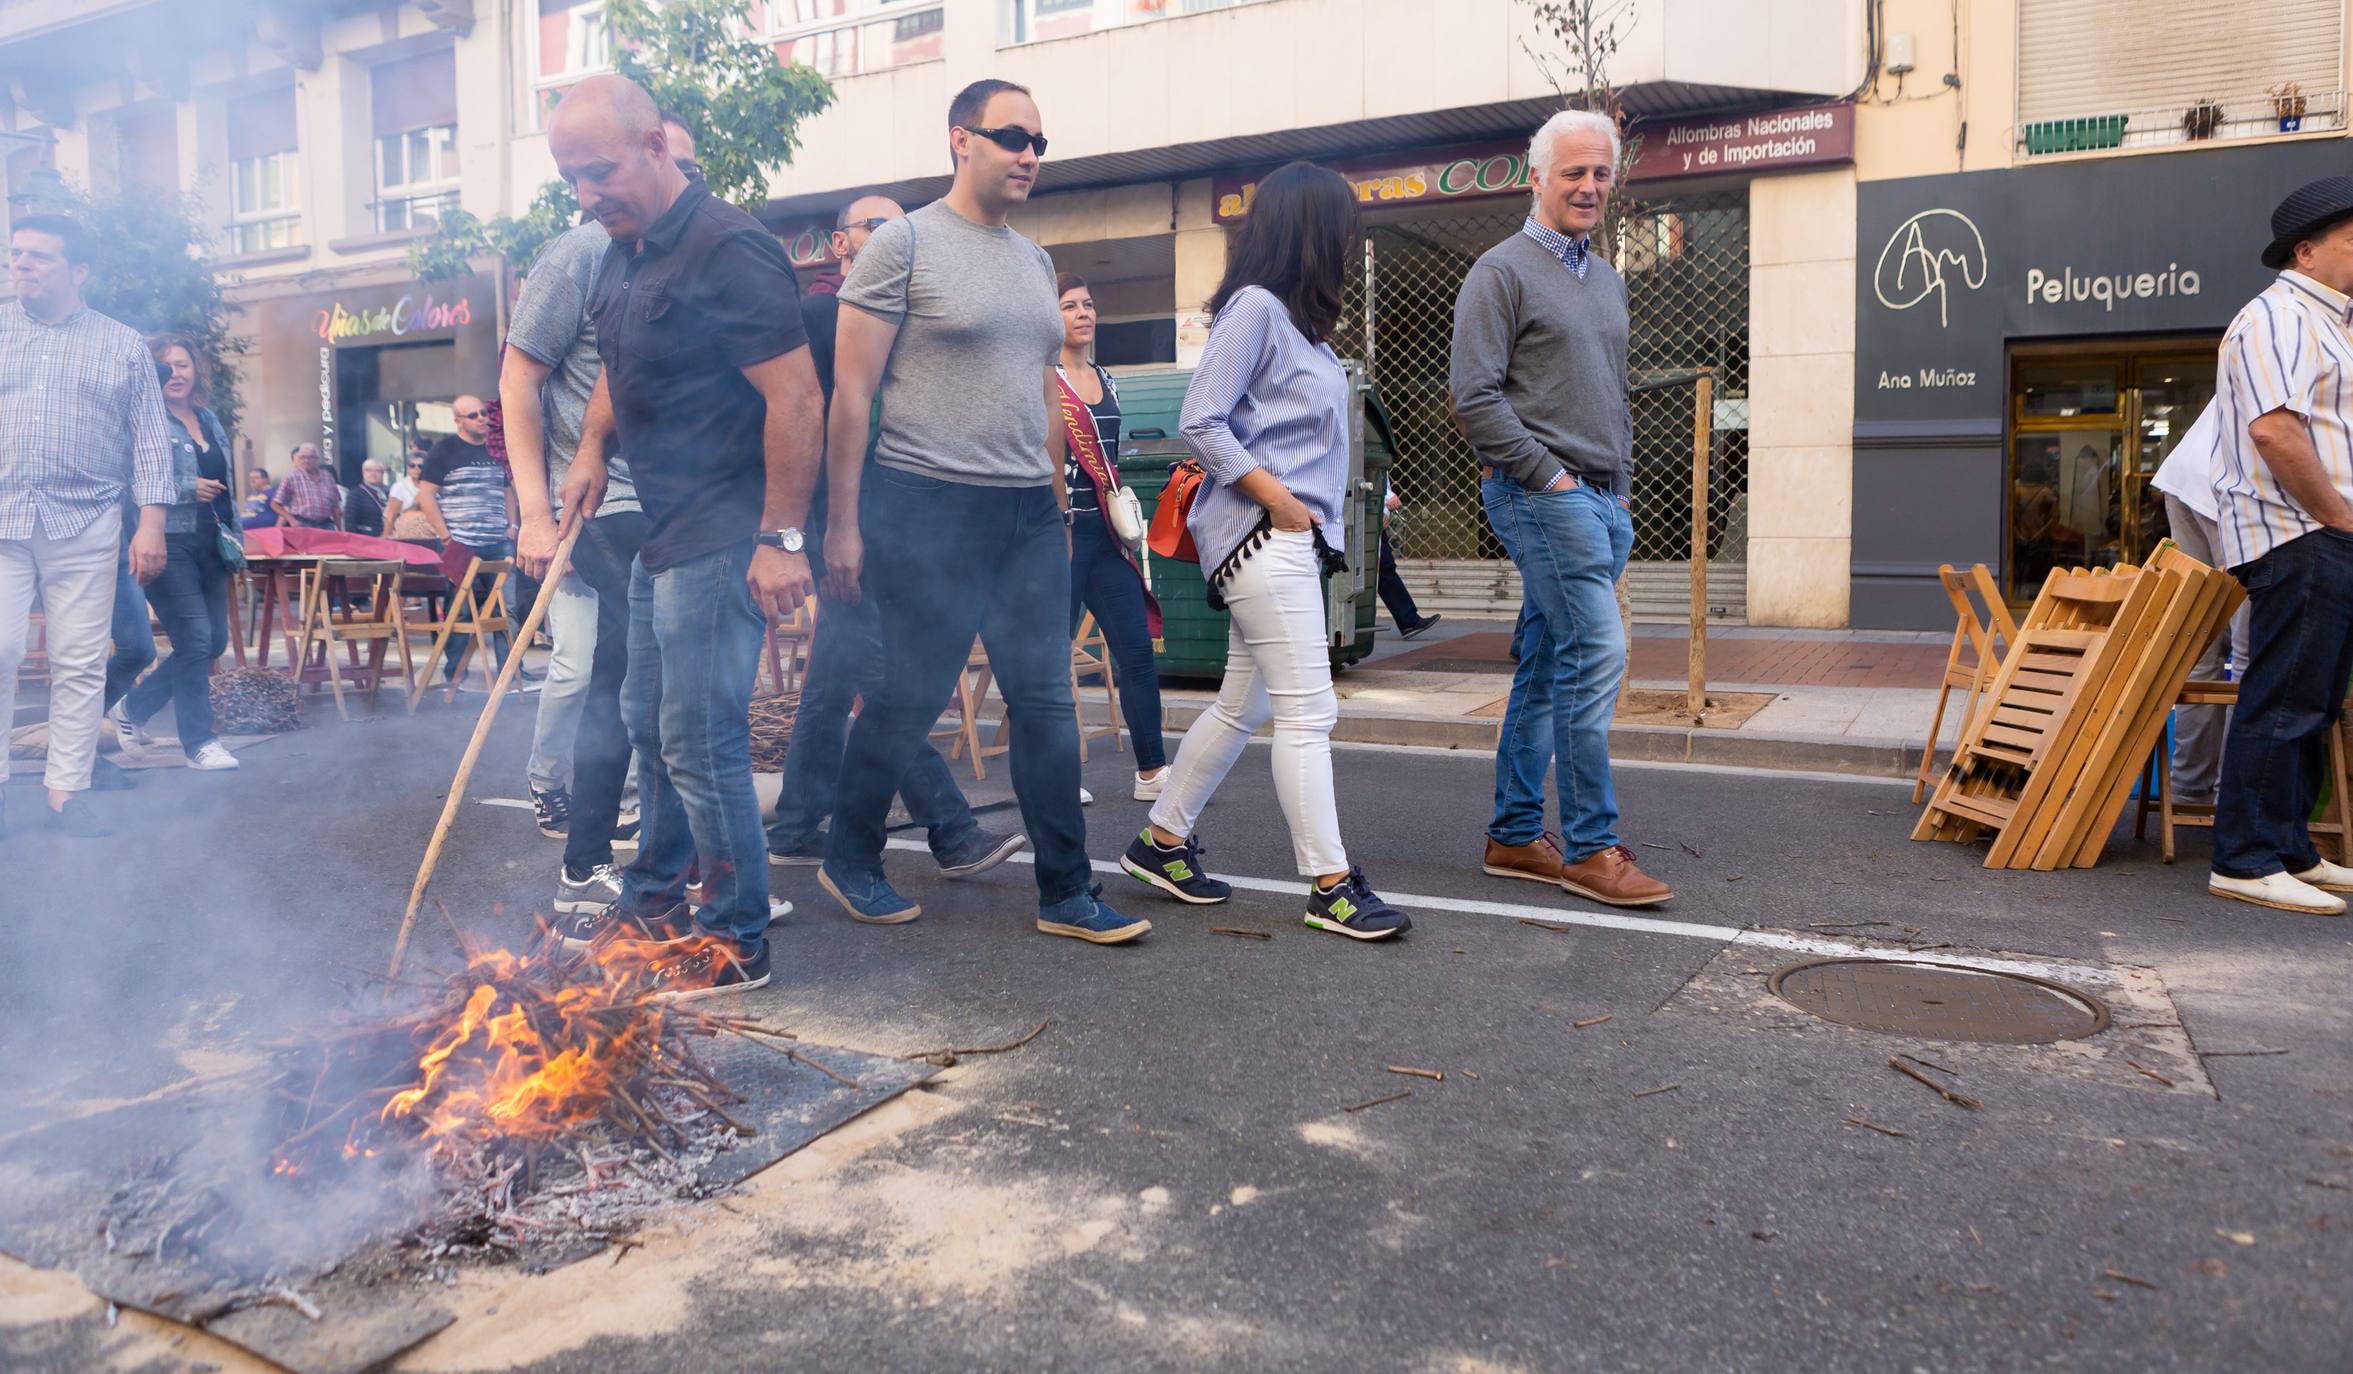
(953, 323)
(846, 660)
(464, 492)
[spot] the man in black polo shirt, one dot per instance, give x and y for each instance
(707, 385)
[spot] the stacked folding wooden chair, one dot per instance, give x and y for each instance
(2048, 763)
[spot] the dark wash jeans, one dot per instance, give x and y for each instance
(946, 561)
(1103, 581)
(191, 595)
(2300, 649)
(694, 647)
(600, 752)
(845, 663)
(132, 633)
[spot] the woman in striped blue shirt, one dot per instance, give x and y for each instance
(1267, 414)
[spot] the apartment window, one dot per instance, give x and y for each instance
(846, 37)
(2101, 74)
(572, 40)
(1040, 21)
(265, 186)
(416, 150)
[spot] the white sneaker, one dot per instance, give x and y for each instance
(127, 733)
(1085, 798)
(2328, 877)
(1148, 789)
(778, 907)
(212, 758)
(2279, 891)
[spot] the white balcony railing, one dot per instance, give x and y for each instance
(2195, 120)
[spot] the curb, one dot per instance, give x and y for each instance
(1857, 755)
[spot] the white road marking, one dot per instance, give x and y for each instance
(519, 803)
(1651, 925)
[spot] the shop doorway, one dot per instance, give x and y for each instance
(2089, 426)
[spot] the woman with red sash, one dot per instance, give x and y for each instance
(1104, 575)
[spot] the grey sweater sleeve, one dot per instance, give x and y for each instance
(1486, 321)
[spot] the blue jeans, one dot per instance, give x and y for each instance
(133, 635)
(2299, 652)
(456, 648)
(192, 597)
(694, 648)
(948, 561)
(605, 558)
(1103, 581)
(1570, 546)
(845, 663)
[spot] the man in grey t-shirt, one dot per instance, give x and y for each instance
(950, 316)
(579, 769)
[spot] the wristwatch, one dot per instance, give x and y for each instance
(787, 539)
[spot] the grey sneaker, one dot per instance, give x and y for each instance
(598, 890)
(979, 852)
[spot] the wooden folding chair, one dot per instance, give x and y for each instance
(380, 626)
(477, 608)
(1090, 656)
(2157, 783)
(972, 689)
(787, 647)
(1973, 659)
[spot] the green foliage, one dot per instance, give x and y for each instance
(147, 270)
(1587, 35)
(742, 105)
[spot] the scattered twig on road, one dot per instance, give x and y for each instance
(2146, 1072)
(2174, 919)
(1245, 934)
(1737, 877)
(1842, 925)
(283, 1296)
(1957, 1099)
(1875, 1126)
(1689, 850)
(2127, 1278)
(1930, 1064)
(1474, 1077)
(2333, 1184)
(623, 1247)
(2105, 1294)
(1553, 926)
(1590, 1021)
(2236, 1054)
(1378, 1101)
(1662, 1088)
(2148, 1025)
(1648, 845)
(947, 1058)
(1432, 1074)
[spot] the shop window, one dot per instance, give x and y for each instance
(2088, 81)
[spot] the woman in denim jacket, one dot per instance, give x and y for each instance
(191, 595)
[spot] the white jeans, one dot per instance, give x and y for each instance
(1278, 668)
(571, 623)
(74, 578)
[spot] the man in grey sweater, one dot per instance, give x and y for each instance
(1539, 378)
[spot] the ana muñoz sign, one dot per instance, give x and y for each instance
(411, 314)
(1703, 147)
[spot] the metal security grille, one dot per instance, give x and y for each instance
(1685, 261)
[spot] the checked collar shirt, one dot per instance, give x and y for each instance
(1573, 253)
(81, 419)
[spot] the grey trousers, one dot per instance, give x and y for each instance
(2198, 730)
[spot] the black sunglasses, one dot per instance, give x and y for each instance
(472, 414)
(869, 225)
(1011, 139)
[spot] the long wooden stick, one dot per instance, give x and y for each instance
(457, 785)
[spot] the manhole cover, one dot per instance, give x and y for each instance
(1939, 1001)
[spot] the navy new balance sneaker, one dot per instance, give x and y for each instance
(1351, 908)
(1175, 870)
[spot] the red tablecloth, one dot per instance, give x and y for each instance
(278, 540)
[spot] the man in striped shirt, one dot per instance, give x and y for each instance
(84, 421)
(2283, 486)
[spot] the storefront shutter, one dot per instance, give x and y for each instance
(261, 124)
(2154, 59)
(415, 93)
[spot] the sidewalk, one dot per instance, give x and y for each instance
(1841, 701)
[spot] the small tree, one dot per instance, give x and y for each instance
(743, 106)
(148, 271)
(1587, 32)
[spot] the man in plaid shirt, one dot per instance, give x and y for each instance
(81, 419)
(309, 496)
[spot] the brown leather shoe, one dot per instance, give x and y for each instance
(1612, 876)
(1538, 861)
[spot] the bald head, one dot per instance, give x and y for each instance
(473, 419)
(857, 222)
(608, 141)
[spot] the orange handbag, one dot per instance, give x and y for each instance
(1171, 536)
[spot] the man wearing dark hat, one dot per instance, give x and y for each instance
(2283, 487)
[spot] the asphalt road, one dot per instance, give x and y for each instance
(1165, 1179)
